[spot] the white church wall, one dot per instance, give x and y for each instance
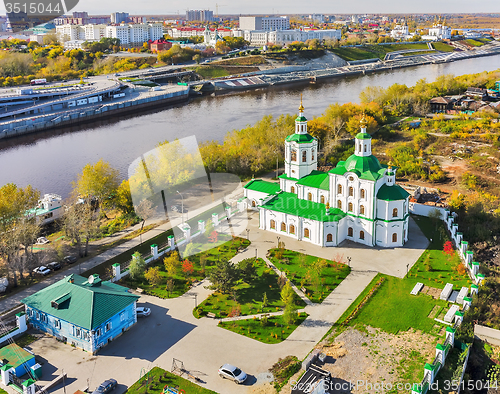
(254, 197)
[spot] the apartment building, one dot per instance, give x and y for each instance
(70, 32)
(200, 15)
(266, 23)
(94, 32)
(284, 37)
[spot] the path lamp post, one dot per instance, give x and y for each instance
(407, 265)
(182, 207)
(248, 234)
(348, 261)
(278, 242)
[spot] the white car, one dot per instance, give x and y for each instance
(228, 371)
(42, 270)
(42, 241)
(142, 311)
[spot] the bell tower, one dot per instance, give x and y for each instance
(363, 143)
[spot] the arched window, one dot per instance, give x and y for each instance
(351, 191)
(253, 203)
(309, 196)
(349, 232)
(365, 148)
(306, 233)
(322, 199)
(304, 156)
(362, 210)
(283, 226)
(294, 155)
(312, 155)
(395, 213)
(329, 238)
(362, 193)
(273, 224)
(339, 204)
(339, 189)
(292, 229)
(349, 207)
(394, 237)
(292, 189)
(361, 234)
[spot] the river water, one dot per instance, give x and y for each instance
(50, 161)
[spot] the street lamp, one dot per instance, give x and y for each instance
(248, 234)
(407, 265)
(182, 207)
(278, 241)
(348, 261)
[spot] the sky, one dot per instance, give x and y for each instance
(135, 7)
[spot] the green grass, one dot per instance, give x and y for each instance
(474, 43)
(418, 53)
(248, 296)
(25, 340)
(298, 273)
(411, 368)
(159, 378)
(434, 267)
(393, 309)
(442, 47)
(209, 72)
(270, 333)
(445, 374)
(354, 53)
(227, 250)
(373, 51)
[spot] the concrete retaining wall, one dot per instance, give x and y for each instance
(487, 334)
(424, 210)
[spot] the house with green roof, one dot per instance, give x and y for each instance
(358, 200)
(84, 312)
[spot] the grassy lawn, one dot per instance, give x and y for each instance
(209, 72)
(442, 47)
(354, 53)
(249, 296)
(297, 267)
(243, 61)
(273, 331)
(25, 340)
(182, 282)
(474, 43)
(418, 53)
(434, 267)
(159, 378)
(392, 308)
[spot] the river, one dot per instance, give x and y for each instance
(50, 161)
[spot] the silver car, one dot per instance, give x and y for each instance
(228, 371)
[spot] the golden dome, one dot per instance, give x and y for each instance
(328, 205)
(301, 108)
(363, 121)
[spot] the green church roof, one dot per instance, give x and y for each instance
(289, 203)
(317, 179)
(365, 167)
(363, 136)
(301, 119)
(392, 193)
(259, 185)
(300, 138)
(82, 303)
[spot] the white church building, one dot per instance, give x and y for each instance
(358, 200)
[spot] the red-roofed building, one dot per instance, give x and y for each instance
(159, 45)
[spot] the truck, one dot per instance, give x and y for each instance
(41, 81)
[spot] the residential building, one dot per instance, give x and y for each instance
(70, 32)
(74, 44)
(159, 45)
(317, 18)
(94, 32)
(178, 32)
(80, 14)
(119, 31)
(86, 313)
(18, 358)
(200, 15)
(37, 37)
(358, 200)
(267, 23)
(284, 37)
(137, 19)
(155, 31)
(119, 17)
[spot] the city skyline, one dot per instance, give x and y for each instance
(285, 7)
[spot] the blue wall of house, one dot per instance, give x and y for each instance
(80, 337)
(24, 368)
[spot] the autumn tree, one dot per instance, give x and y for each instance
(187, 267)
(153, 276)
(171, 263)
(81, 222)
(137, 266)
(287, 298)
(123, 198)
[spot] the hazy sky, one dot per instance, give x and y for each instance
(286, 6)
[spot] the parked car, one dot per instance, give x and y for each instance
(142, 311)
(70, 259)
(179, 209)
(105, 387)
(228, 371)
(42, 270)
(54, 266)
(42, 241)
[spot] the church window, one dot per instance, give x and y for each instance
(292, 189)
(329, 238)
(294, 155)
(361, 234)
(395, 213)
(304, 156)
(339, 189)
(351, 191)
(365, 148)
(283, 226)
(312, 155)
(273, 224)
(339, 204)
(349, 232)
(394, 237)
(322, 199)
(309, 196)
(363, 193)
(351, 179)
(362, 210)
(306, 233)
(292, 229)
(349, 207)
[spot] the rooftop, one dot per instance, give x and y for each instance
(259, 185)
(365, 167)
(317, 179)
(15, 355)
(392, 193)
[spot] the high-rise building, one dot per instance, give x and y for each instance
(267, 23)
(200, 15)
(119, 17)
(80, 15)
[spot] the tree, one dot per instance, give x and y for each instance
(80, 223)
(247, 269)
(187, 267)
(223, 277)
(287, 297)
(197, 58)
(170, 286)
(137, 266)
(171, 263)
(144, 210)
(265, 301)
(213, 236)
(448, 248)
(97, 181)
(123, 198)
(314, 273)
(153, 276)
